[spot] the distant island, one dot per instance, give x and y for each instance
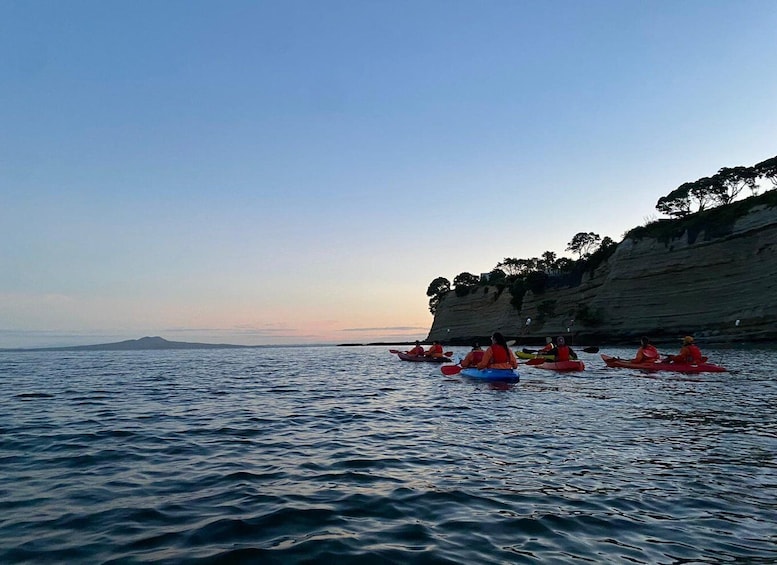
(142, 344)
(157, 343)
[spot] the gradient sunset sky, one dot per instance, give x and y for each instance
(281, 172)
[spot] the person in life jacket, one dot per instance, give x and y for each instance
(548, 346)
(417, 350)
(647, 353)
(435, 351)
(473, 357)
(689, 353)
(561, 351)
(498, 355)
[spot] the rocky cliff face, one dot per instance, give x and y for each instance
(722, 289)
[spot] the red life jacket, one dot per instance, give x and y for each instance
(563, 353)
(695, 353)
(499, 354)
(477, 356)
(650, 352)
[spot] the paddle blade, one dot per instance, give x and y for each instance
(394, 351)
(591, 349)
(448, 353)
(449, 370)
(537, 361)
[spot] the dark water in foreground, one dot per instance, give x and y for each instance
(349, 455)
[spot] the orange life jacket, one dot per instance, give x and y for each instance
(499, 354)
(562, 353)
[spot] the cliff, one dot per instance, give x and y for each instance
(719, 287)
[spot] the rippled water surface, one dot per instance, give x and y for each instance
(326, 454)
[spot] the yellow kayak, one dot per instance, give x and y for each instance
(524, 355)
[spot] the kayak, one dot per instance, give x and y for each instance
(571, 365)
(661, 366)
(527, 355)
(505, 375)
(576, 365)
(422, 358)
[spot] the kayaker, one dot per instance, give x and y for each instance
(417, 350)
(474, 357)
(435, 351)
(498, 356)
(689, 353)
(561, 351)
(548, 346)
(647, 353)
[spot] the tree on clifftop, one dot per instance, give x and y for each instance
(677, 203)
(510, 266)
(733, 180)
(583, 243)
(768, 170)
(466, 279)
(437, 289)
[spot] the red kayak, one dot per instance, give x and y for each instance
(422, 358)
(571, 365)
(661, 366)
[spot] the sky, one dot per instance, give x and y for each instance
(299, 171)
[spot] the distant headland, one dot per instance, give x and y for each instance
(142, 344)
(157, 343)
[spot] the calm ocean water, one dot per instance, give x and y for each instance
(348, 455)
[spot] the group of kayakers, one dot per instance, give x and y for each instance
(435, 351)
(499, 355)
(689, 353)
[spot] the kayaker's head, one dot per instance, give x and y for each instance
(644, 341)
(687, 340)
(548, 339)
(499, 339)
(560, 340)
(476, 346)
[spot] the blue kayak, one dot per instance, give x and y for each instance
(505, 375)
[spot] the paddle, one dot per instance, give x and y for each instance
(449, 370)
(591, 349)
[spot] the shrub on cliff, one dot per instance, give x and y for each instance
(537, 281)
(589, 316)
(517, 290)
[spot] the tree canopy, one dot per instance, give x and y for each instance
(583, 243)
(465, 279)
(718, 190)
